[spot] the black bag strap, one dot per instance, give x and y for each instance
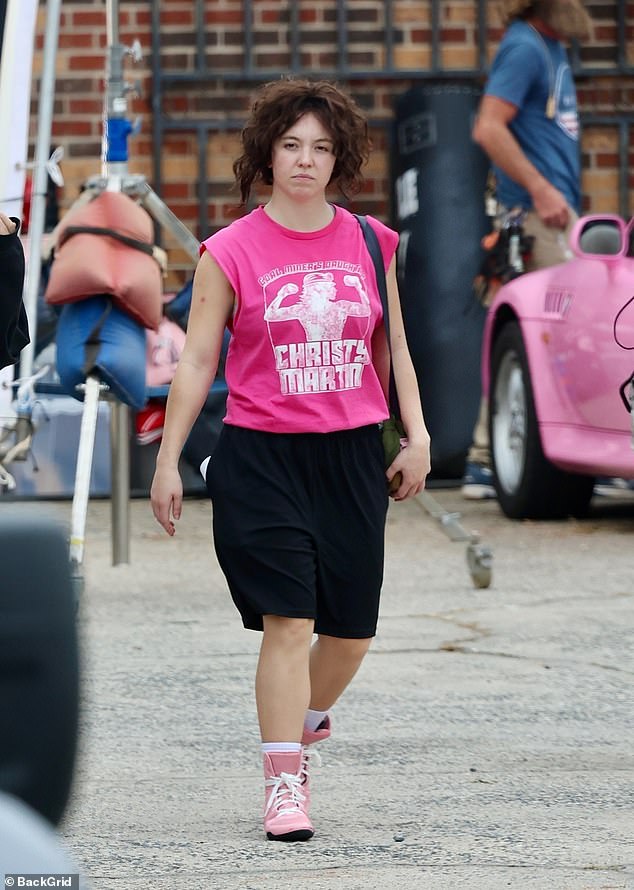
(374, 249)
(143, 246)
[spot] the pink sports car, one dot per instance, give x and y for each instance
(558, 365)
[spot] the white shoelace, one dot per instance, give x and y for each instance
(286, 795)
(309, 755)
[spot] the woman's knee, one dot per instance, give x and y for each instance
(348, 649)
(290, 631)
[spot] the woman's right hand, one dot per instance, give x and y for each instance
(166, 495)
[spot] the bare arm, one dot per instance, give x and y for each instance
(414, 461)
(491, 131)
(212, 303)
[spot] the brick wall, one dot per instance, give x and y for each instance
(81, 61)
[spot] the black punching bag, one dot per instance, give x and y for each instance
(439, 177)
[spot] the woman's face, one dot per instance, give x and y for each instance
(303, 159)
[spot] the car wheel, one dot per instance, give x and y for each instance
(527, 484)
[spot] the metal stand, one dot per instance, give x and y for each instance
(120, 480)
(115, 177)
(83, 469)
(120, 451)
(479, 556)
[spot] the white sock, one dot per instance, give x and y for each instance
(281, 747)
(313, 719)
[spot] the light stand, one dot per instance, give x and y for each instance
(117, 128)
(115, 177)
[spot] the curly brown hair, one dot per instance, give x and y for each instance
(277, 106)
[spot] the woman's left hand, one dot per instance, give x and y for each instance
(7, 226)
(413, 463)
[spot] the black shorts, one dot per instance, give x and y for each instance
(299, 525)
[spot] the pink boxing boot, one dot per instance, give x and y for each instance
(310, 736)
(285, 816)
(308, 756)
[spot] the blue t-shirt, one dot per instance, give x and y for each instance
(527, 69)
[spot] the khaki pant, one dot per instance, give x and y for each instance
(550, 247)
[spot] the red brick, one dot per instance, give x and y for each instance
(223, 17)
(70, 127)
(607, 160)
(453, 35)
(86, 106)
(87, 63)
(76, 41)
(88, 19)
(178, 16)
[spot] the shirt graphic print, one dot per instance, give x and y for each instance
(318, 317)
(567, 116)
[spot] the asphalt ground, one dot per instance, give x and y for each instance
(486, 742)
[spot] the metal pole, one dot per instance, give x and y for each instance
(112, 22)
(83, 471)
(120, 482)
(115, 168)
(163, 215)
(116, 127)
(40, 180)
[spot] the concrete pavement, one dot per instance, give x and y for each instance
(486, 742)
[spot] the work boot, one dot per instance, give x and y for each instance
(285, 816)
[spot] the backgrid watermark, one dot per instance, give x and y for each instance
(67, 881)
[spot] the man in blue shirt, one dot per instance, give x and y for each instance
(528, 125)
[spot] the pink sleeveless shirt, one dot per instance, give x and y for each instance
(307, 305)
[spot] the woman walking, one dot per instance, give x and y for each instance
(297, 481)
